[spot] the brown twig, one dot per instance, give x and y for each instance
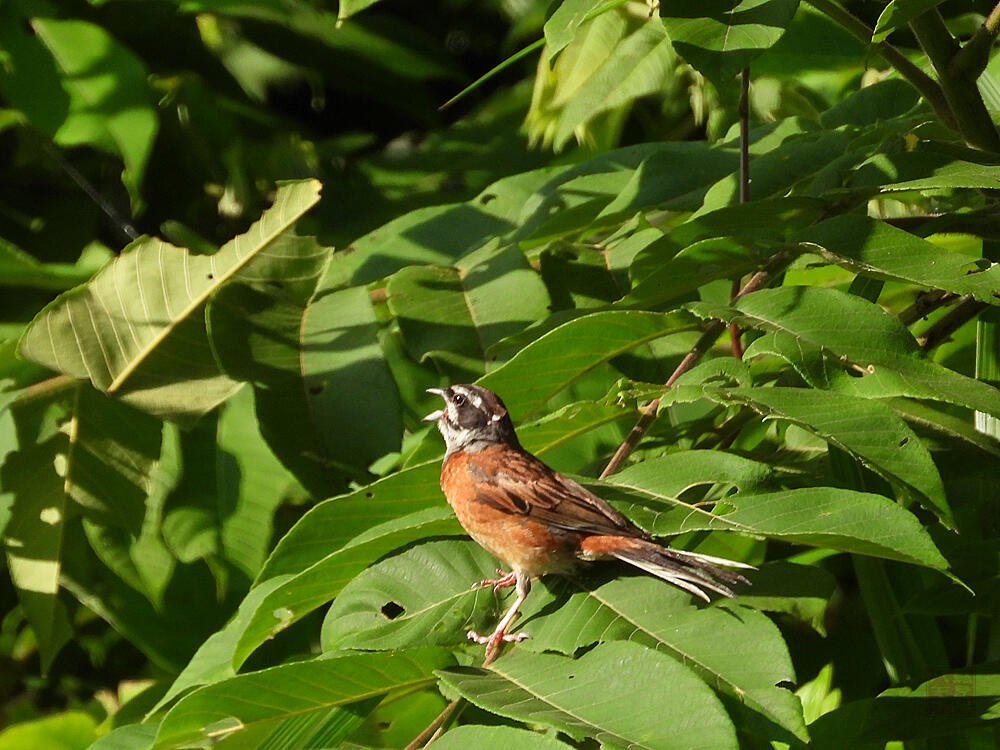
(940, 331)
(925, 303)
(439, 721)
(758, 281)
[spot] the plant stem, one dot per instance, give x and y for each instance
(758, 281)
(927, 86)
(958, 81)
(938, 332)
(439, 721)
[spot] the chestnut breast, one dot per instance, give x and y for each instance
(504, 528)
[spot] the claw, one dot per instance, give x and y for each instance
(506, 579)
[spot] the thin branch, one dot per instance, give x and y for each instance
(439, 721)
(940, 331)
(922, 82)
(925, 303)
(972, 59)
(758, 281)
(964, 100)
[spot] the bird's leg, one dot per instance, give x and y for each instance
(500, 634)
(505, 579)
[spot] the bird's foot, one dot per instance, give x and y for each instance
(506, 579)
(493, 641)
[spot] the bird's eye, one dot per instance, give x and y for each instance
(459, 399)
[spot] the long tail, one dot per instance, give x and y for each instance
(690, 571)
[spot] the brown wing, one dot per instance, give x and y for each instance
(527, 487)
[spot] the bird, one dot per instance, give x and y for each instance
(535, 520)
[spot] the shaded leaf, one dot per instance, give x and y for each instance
(721, 37)
(869, 246)
(454, 314)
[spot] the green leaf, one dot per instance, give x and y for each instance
(866, 429)
(561, 356)
(294, 690)
(815, 329)
(897, 14)
(425, 595)
(865, 245)
(33, 538)
(562, 25)
(937, 708)
(636, 66)
(127, 737)
(140, 321)
(331, 524)
(745, 659)
(213, 661)
(595, 696)
(325, 398)
(496, 738)
(827, 517)
(102, 97)
(721, 37)
(348, 8)
(455, 314)
(70, 730)
(694, 266)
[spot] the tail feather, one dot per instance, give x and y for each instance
(691, 571)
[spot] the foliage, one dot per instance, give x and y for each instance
(219, 505)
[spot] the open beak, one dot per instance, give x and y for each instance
(434, 416)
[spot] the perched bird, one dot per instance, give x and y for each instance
(536, 520)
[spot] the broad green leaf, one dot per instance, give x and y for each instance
(800, 591)
(95, 90)
(929, 166)
(253, 483)
(496, 738)
(865, 245)
(127, 737)
(561, 356)
(70, 730)
(333, 523)
(321, 582)
(560, 427)
(595, 696)
(897, 14)
(721, 37)
(113, 460)
(213, 661)
(866, 429)
(325, 399)
(676, 176)
(455, 314)
(34, 536)
(744, 661)
(815, 329)
(18, 268)
(694, 266)
(873, 104)
(422, 596)
(139, 323)
(561, 26)
(300, 689)
(636, 66)
(936, 709)
(828, 517)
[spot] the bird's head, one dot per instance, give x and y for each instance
(472, 418)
